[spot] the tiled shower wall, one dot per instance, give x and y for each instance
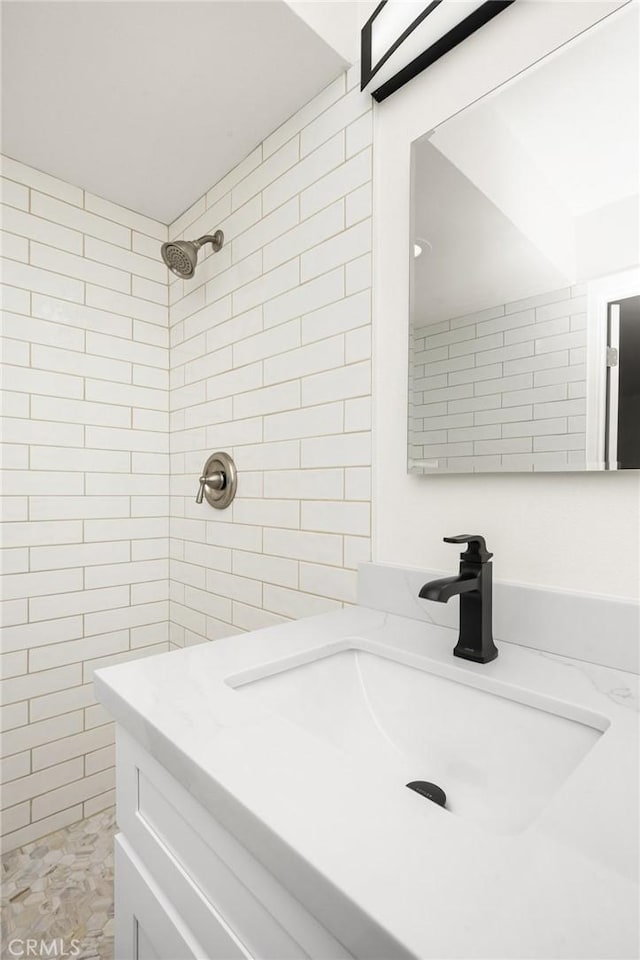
(85, 512)
(502, 389)
(270, 347)
(270, 360)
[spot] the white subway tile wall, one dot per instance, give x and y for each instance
(503, 389)
(85, 480)
(264, 353)
(270, 360)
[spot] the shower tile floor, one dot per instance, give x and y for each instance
(61, 888)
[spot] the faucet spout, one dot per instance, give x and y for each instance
(442, 590)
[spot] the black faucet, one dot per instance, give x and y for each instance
(473, 583)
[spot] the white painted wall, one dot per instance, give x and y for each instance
(558, 530)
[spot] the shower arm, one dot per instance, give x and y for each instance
(216, 240)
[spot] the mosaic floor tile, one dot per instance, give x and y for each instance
(61, 888)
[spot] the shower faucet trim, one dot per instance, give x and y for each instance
(219, 481)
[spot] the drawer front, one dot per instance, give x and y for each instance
(145, 950)
(212, 879)
(147, 926)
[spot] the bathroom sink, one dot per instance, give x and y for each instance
(498, 752)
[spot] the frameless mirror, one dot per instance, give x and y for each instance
(525, 279)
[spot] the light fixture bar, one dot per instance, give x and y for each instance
(397, 44)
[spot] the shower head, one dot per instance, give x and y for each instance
(181, 256)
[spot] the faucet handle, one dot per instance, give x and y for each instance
(477, 550)
(200, 494)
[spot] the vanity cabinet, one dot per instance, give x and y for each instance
(186, 888)
(245, 833)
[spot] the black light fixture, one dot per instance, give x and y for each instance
(424, 38)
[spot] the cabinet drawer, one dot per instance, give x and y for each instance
(147, 927)
(211, 879)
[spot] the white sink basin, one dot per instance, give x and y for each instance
(498, 752)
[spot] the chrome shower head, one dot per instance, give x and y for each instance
(181, 256)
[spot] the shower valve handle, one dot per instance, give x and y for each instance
(219, 481)
(215, 481)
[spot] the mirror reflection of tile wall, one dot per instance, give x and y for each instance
(504, 387)
(525, 237)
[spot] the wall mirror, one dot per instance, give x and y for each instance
(525, 280)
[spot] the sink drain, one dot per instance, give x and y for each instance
(429, 790)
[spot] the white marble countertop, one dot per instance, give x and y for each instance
(387, 872)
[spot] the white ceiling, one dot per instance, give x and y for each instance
(148, 103)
